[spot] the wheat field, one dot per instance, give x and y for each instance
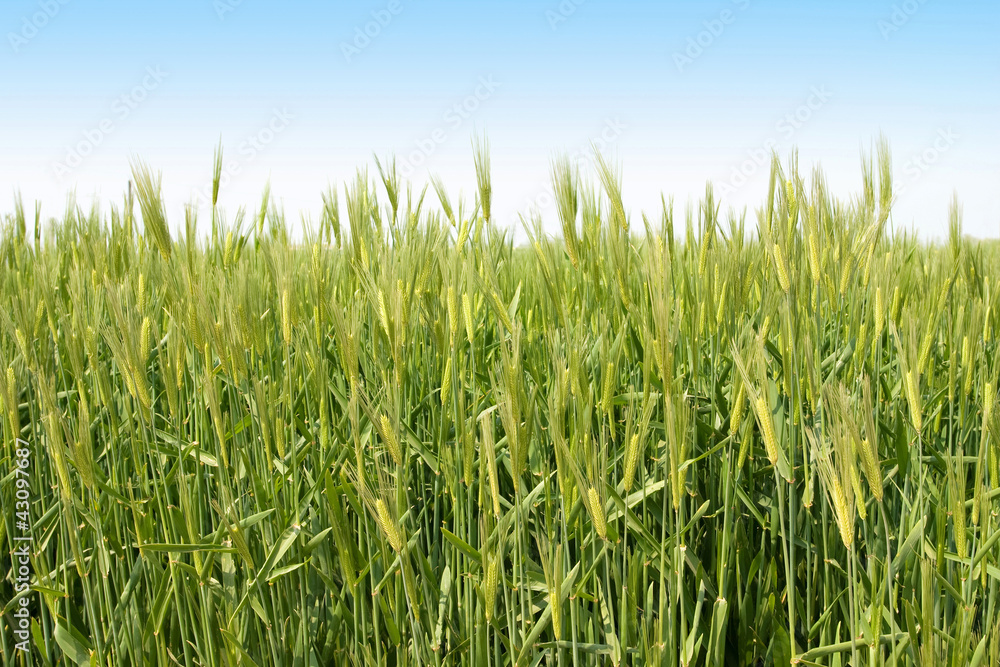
(675, 438)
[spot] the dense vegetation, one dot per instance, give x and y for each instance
(407, 440)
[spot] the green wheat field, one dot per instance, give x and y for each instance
(679, 437)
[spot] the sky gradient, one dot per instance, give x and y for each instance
(677, 93)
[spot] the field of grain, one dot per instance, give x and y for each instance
(671, 438)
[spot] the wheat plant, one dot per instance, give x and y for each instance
(401, 438)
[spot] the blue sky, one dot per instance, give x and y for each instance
(678, 93)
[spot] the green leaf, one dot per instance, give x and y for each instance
(442, 607)
(186, 548)
(781, 648)
(281, 571)
(72, 643)
(609, 627)
(462, 546)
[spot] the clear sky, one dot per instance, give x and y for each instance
(677, 93)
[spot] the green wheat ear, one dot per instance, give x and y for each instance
(151, 204)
